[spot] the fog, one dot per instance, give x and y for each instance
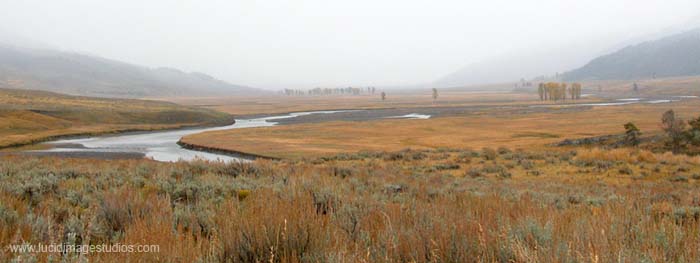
(276, 44)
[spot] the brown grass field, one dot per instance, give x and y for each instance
(489, 128)
(32, 116)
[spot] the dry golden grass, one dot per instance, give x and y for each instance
(490, 128)
(514, 206)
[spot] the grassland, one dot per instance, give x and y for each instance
(447, 205)
(31, 116)
(253, 105)
(484, 129)
(351, 192)
(419, 98)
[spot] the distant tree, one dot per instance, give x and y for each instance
(578, 91)
(435, 94)
(562, 90)
(575, 91)
(674, 129)
(635, 88)
(383, 96)
(632, 134)
(540, 91)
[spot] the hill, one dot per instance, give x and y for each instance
(676, 55)
(527, 63)
(78, 74)
(28, 116)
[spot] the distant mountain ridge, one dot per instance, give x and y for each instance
(676, 55)
(78, 74)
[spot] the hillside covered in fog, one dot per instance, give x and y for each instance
(677, 55)
(79, 74)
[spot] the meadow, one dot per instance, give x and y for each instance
(488, 128)
(444, 205)
(27, 117)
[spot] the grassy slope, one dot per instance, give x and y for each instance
(29, 116)
(488, 129)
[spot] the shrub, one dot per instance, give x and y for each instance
(236, 169)
(494, 168)
(349, 216)
(503, 150)
(474, 172)
(242, 194)
(118, 209)
(446, 166)
(526, 164)
(8, 216)
(394, 188)
(188, 191)
(595, 201)
(406, 154)
(504, 174)
(683, 169)
(678, 178)
(626, 170)
(324, 200)
(685, 214)
(193, 219)
(532, 234)
(464, 158)
(488, 153)
(343, 172)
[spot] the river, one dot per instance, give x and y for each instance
(161, 145)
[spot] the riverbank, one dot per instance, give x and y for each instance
(216, 150)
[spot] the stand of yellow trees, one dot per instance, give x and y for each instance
(558, 91)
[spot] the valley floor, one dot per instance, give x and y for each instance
(481, 182)
(515, 126)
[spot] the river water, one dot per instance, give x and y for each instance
(162, 145)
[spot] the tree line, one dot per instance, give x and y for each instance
(329, 91)
(555, 91)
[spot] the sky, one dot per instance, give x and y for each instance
(303, 44)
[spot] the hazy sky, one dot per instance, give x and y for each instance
(272, 43)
